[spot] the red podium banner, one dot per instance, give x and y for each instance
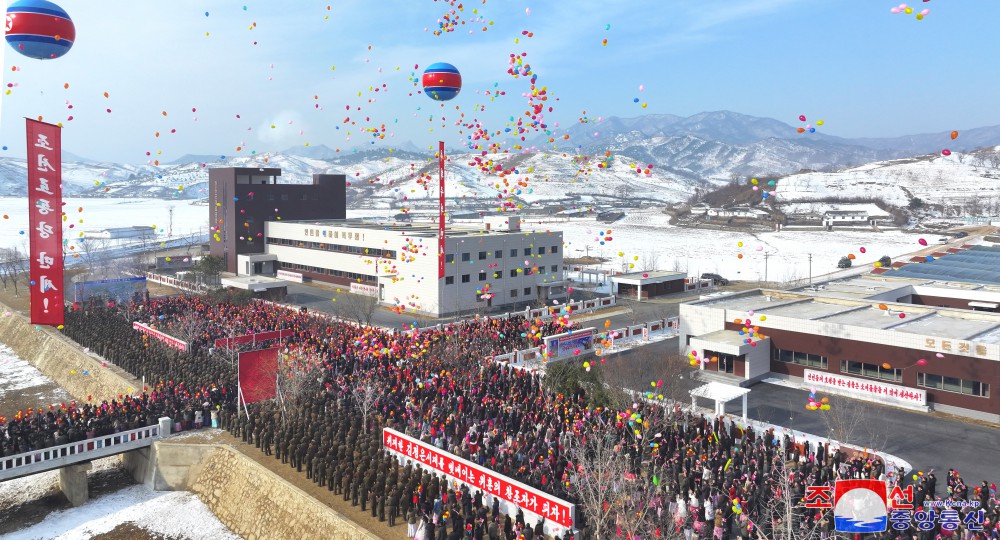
(258, 372)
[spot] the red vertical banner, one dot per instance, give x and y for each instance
(257, 374)
(441, 210)
(45, 222)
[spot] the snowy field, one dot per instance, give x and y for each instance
(104, 213)
(23, 386)
(647, 234)
(174, 514)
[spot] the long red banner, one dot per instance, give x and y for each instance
(252, 338)
(167, 339)
(45, 222)
(525, 497)
(441, 210)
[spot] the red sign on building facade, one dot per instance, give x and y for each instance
(45, 222)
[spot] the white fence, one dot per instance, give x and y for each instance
(177, 283)
(55, 457)
(531, 359)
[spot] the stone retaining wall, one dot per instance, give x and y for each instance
(257, 504)
(57, 357)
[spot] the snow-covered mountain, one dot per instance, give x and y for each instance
(682, 154)
(963, 179)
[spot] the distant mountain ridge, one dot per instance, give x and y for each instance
(700, 151)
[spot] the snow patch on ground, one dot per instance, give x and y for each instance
(174, 513)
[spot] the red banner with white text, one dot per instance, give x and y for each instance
(167, 339)
(524, 497)
(258, 374)
(45, 222)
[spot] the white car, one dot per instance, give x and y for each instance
(942, 240)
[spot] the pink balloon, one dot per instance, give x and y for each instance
(802, 117)
(925, 12)
(946, 152)
(921, 362)
(922, 242)
(939, 355)
(894, 10)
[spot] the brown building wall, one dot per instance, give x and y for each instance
(652, 290)
(836, 349)
(940, 301)
(238, 214)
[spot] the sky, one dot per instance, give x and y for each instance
(303, 67)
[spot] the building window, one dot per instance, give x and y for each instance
(541, 269)
(953, 384)
(284, 196)
(527, 291)
(800, 358)
(554, 250)
(513, 293)
(513, 273)
(498, 254)
(873, 371)
(555, 268)
(465, 278)
(513, 253)
(466, 257)
(270, 196)
(541, 250)
(449, 280)
(527, 252)
(303, 197)
(497, 275)
(449, 258)
(482, 255)
(482, 275)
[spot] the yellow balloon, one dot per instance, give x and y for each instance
(819, 122)
(908, 10)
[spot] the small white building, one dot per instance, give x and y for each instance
(489, 265)
(741, 211)
(853, 217)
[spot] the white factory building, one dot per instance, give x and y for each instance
(488, 265)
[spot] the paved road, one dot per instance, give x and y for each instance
(926, 441)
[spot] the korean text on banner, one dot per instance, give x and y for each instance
(525, 497)
(45, 222)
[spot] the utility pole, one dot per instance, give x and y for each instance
(810, 268)
(766, 255)
(170, 231)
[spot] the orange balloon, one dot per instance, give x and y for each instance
(883, 307)
(886, 365)
(851, 256)
(740, 256)
(954, 135)
(825, 400)
(801, 130)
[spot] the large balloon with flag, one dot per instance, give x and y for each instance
(442, 81)
(39, 29)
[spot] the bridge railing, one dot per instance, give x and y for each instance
(53, 457)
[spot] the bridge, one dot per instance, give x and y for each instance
(73, 459)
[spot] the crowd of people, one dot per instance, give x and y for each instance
(684, 475)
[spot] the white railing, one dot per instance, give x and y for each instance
(177, 283)
(54, 457)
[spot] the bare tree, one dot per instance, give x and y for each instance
(96, 255)
(357, 307)
(364, 394)
(650, 261)
(614, 493)
(13, 267)
(781, 514)
(853, 422)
